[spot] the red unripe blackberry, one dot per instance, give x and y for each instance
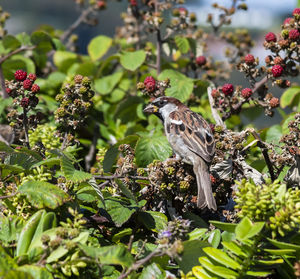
(246, 93)
(8, 90)
(32, 77)
(20, 75)
(35, 88)
(150, 83)
(270, 37)
(274, 102)
(294, 34)
(278, 60)
(296, 11)
(183, 11)
(27, 83)
(277, 71)
(249, 59)
(227, 89)
(133, 3)
(212, 179)
(24, 102)
(201, 60)
(215, 93)
(287, 21)
(101, 5)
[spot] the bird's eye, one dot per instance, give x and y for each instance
(161, 103)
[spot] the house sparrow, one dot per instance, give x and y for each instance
(191, 139)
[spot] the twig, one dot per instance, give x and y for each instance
(2, 81)
(140, 263)
(110, 177)
(158, 44)
(90, 156)
(130, 243)
(264, 150)
(25, 125)
(214, 112)
(63, 146)
(83, 17)
(9, 196)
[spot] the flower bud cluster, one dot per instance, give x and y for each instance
(75, 102)
(98, 167)
(271, 203)
(4, 16)
(37, 174)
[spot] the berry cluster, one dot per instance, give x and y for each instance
(75, 101)
(153, 88)
(23, 90)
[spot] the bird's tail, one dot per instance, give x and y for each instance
(205, 196)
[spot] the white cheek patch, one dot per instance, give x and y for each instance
(166, 110)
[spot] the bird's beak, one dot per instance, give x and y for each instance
(151, 109)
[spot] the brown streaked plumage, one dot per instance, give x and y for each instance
(191, 139)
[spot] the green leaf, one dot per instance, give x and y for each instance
(63, 60)
(6, 148)
(192, 251)
(132, 60)
(196, 233)
(229, 227)
(223, 272)
(29, 64)
(98, 46)
(71, 173)
(116, 255)
(152, 271)
(221, 257)
(42, 40)
(288, 96)
(17, 274)
(43, 194)
(182, 44)
(256, 229)
(181, 86)
(10, 228)
(119, 211)
(214, 238)
(200, 273)
(280, 252)
(87, 194)
(271, 262)
(106, 84)
(258, 273)
(10, 42)
(243, 229)
(153, 220)
(6, 262)
(117, 237)
(20, 159)
(127, 109)
(274, 133)
(234, 248)
(36, 272)
(284, 245)
(56, 254)
(110, 158)
(152, 148)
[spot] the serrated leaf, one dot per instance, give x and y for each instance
(47, 162)
(152, 148)
(71, 173)
(43, 194)
(132, 60)
(182, 44)
(181, 86)
(106, 84)
(221, 257)
(20, 159)
(223, 272)
(288, 96)
(99, 46)
(10, 228)
(42, 40)
(155, 221)
(119, 211)
(152, 271)
(112, 255)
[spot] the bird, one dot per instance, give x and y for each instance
(192, 141)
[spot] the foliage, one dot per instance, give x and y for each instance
(88, 187)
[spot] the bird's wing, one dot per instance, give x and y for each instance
(194, 131)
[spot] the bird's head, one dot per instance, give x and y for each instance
(163, 106)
